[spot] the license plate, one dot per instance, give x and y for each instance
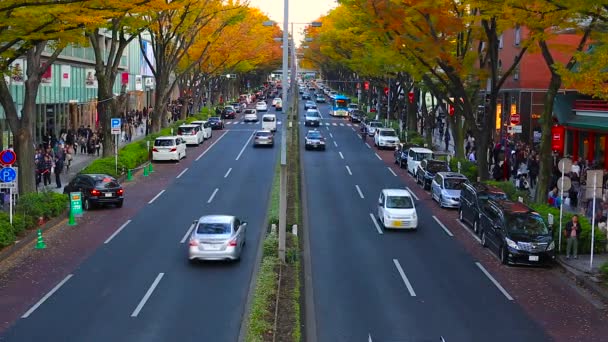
(211, 247)
(397, 223)
(108, 194)
(533, 258)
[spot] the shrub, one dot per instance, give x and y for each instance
(604, 270)
(270, 247)
(7, 235)
(512, 192)
(467, 168)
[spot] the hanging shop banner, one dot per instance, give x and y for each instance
(125, 78)
(90, 80)
(17, 72)
(66, 76)
(557, 138)
(138, 83)
(47, 77)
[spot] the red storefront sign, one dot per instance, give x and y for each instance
(558, 134)
(125, 78)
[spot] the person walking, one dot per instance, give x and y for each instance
(572, 233)
(59, 163)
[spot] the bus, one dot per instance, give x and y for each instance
(339, 106)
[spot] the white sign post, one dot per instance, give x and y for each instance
(116, 124)
(593, 221)
(563, 164)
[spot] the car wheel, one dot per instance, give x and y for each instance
(504, 259)
(476, 227)
(460, 215)
(119, 204)
(86, 205)
(483, 241)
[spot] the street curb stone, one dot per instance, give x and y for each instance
(583, 280)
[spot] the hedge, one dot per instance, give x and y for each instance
(467, 168)
(30, 207)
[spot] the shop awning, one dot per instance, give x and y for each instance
(591, 123)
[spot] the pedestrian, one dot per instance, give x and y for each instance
(572, 233)
(48, 166)
(447, 140)
(59, 162)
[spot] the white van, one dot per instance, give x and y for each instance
(205, 126)
(191, 134)
(269, 122)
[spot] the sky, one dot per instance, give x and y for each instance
(300, 11)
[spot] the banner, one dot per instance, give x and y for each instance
(125, 78)
(17, 72)
(138, 83)
(66, 76)
(90, 80)
(47, 77)
(558, 138)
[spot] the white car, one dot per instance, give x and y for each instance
(313, 118)
(250, 115)
(276, 100)
(414, 156)
(371, 127)
(261, 106)
(269, 122)
(191, 134)
(352, 106)
(396, 209)
(386, 138)
(168, 148)
(205, 126)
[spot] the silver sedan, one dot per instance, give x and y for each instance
(217, 237)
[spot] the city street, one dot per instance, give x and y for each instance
(124, 275)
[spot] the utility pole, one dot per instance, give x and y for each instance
(283, 170)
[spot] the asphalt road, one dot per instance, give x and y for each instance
(375, 285)
(139, 285)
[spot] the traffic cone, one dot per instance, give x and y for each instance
(40, 243)
(145, 172)
(72, 219)
(151, 169)
(129, 175)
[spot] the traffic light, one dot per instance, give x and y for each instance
(410, 96)
(366, 85)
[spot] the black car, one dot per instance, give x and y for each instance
(229, 113)
(516, 233)
(314, 140)
(427, 170)
(306, 96)
(472, 198)
(355, 116)
(96, 190)
(216, 122)
(401, 155)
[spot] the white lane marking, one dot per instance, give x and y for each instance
(348, 169)
(210, 146)
(181, 173)
(375, 223)
(445, 229)
(341, 155)
(391, 171)
(353, 129)
(412, 193)
(46, 296)
(157, 196)
(496, 283)
(244, 146)
(359, 191)
(377, 156)
(213, 195)
(187, 233)
(335, 143)
(366, 144)
(334, 124)
(341, 124)
(147, 295)
(278, 122)
(469, 231)
(369, 338)
(117, 231)
(331, 135)
(327, 124)
(349, 125)
(404, 277)
(327, 128)
(227, 173)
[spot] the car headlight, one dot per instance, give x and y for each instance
(512, 243)
(551, 246)
(414, 216)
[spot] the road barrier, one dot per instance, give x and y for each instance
(40, 242)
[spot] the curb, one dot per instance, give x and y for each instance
(584, 280)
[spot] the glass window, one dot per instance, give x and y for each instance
(423, 156)
(526, 224)
(213, 228)
(186, 130)
(268, 119)
(454, 183)
(388, 133)
(106, 182)
(163, 142)
(399, 202)
(435, 167)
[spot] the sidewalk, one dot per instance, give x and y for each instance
(590, 279)
(81, 161)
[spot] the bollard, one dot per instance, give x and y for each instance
(40, 242)
(129, 175)
(145, 171)
(150, 168)
(72, 219)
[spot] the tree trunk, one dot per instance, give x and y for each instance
(545, 155)
(160, 107)
(106, 111)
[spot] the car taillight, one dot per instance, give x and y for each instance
(232, 243)
(173, 149)
(193, 242)
(154, 149)
(120, 192)
(95, 192)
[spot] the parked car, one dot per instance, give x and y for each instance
(415, 156)
(191, 134)
(229, 112)
(310, 105)
(217, 237)
(386, 138)
(427, 169)
(313, 118)
(352, 107)
(250, 115)
(263, 138)
(356, 116)
(314, 140)
(216, 122)
(276, 100)
(516, 233)
(96, 190)
(401, 155)
(445, 188)
(320, 98)
(168, 148)
(261, 106)
(472, 199)
(236, 106)
(396, 209)
(206, 128)
(371, 127)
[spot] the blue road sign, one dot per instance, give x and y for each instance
(8, 174)
(115, 123)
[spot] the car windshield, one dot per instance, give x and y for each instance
(263, 134)
(353, 106)
(185, 130)
(388, 133)
(375, 124)
(213, 228)
(436, 167)
(422, 156)
(164, 142)
(526, 224)
(313, 114)
(214, 118)
(454, 183)
(492, 195)
(249, 111)
(268, 119)
(314, 135)
(102, 182)
(399, 202)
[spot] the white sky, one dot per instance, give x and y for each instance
(300, 11)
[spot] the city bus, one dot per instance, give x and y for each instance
(339, 106)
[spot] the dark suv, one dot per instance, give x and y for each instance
(427, 170)
(472, 198)
(516, 233)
